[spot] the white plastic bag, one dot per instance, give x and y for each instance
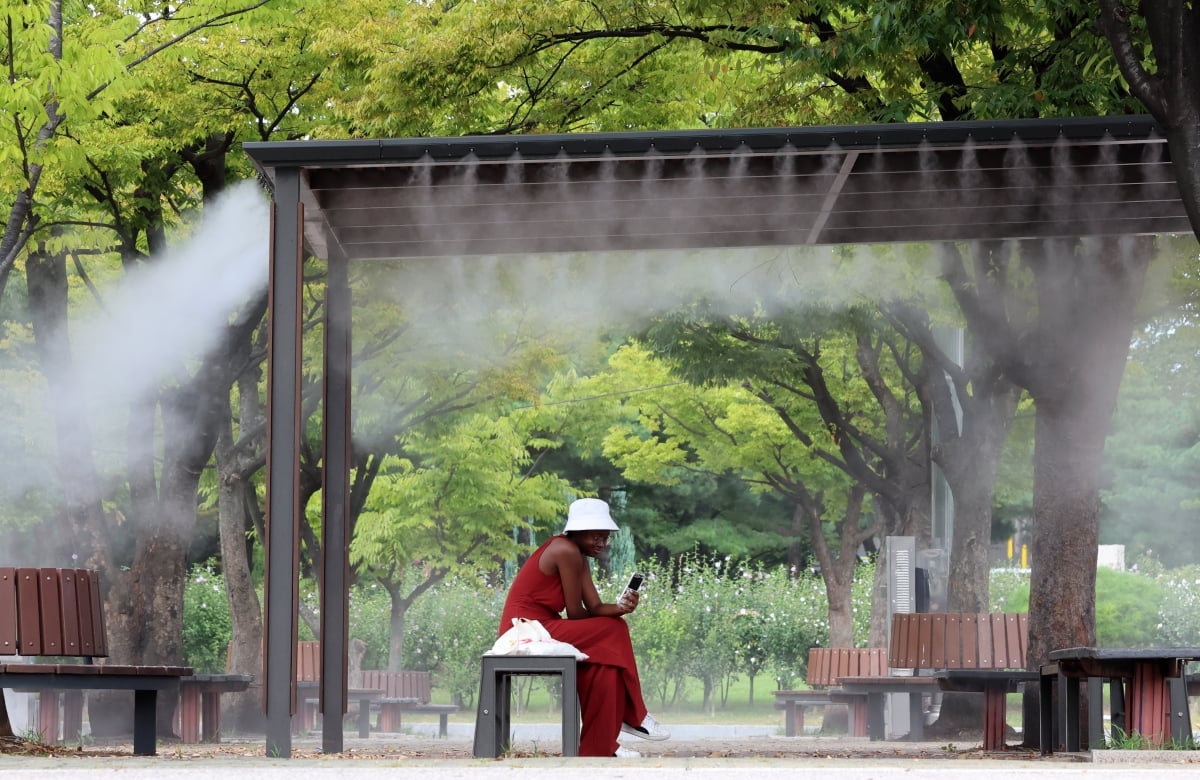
(530, 637)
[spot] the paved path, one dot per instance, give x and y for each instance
(726, 755)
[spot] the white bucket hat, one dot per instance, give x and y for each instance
(589, 514)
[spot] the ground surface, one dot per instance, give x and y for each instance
(402, 746)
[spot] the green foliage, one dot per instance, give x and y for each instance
(370, 611)
(1132, 609)
(1179, 610)
(447, 631)
(1153, 451)
(207, 629)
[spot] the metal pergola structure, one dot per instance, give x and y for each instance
(345, 201)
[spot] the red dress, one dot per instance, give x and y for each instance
(610, 692)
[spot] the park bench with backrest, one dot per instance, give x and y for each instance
(961, 652)
(392, 693)
(405, 691)
(55, 617)
(825, 666)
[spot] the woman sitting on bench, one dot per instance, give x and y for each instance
(557, 577)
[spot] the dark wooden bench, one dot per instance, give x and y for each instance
(57, 614)
(405, 691)
(967, 652)
(825, 666)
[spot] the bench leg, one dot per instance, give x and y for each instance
(1181, 718)
(443, 724)
(1095, 702)
(995, 712)
(389, 717)
(48, 716)
(72, 716)
(1116, 707)
(875, 706)
(1046, 713)
(364, 717)
(189, 715)
(916, 716)
(144, 706)
(487, 743)
(570, 712)
(1069, 706)
(210, 716)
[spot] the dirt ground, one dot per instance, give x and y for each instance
(416, 746)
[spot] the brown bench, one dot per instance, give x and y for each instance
(967, 652)
(405, 691)
(56, 613)
(825, 666)
(308, 683)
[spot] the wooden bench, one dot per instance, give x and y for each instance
(56, 613)
(308, 683)
(405, 691)
(825, 666)
(967, 652)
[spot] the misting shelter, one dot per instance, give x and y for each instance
(347, 201)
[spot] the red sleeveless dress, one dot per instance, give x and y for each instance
(610, 692)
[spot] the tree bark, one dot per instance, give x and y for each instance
(237, 503)
(1086, 313)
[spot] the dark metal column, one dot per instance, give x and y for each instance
(335, 495)
(284, 355)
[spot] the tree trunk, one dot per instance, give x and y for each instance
(396, 616)
(237, 502)
(1086, 317)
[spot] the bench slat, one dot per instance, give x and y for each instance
(29, 621)
(943, 639)
(52, 612)
(8, 611)
(72, 639)
(949, 641)
(970, 656)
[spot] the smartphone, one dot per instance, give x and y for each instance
(635, 584)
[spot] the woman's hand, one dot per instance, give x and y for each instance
(628, 601)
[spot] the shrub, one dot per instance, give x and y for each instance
(1127, 609)
(1129, 605)
(207, 629)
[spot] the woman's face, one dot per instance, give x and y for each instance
(591, 543)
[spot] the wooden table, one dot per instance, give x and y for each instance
(1155, 695)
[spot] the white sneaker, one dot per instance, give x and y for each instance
(650, 729)
(624, 752)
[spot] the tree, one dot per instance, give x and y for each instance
(687, 428)
(127, 174)
(1165, 77)
(814, 62)
(450, 507)
(866, 424)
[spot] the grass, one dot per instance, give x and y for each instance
(1122, 740)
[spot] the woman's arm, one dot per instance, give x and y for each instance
(579, 591)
